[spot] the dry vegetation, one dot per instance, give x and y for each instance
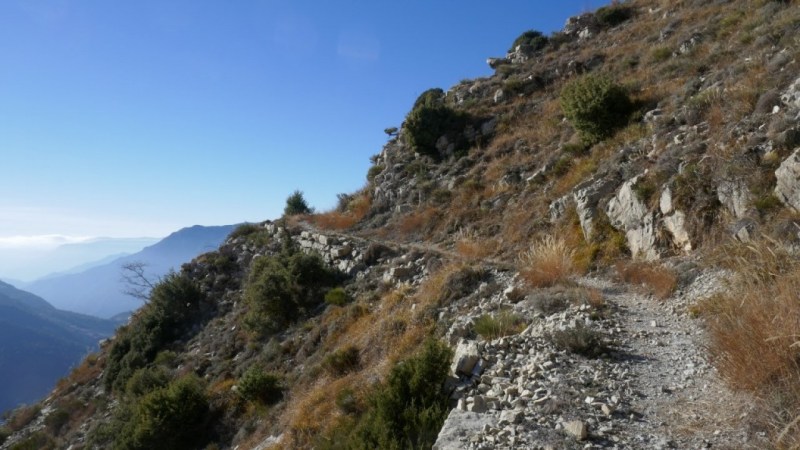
(548, 262)
(660, 281)
(754, 333)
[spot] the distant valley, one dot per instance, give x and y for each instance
(99, 290)
(39, 343)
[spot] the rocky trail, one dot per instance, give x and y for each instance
(655, 389)
(652, 388)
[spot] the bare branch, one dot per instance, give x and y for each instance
(137, 284)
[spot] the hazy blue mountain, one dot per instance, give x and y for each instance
(98, 291)
(30, 263)
(39, 344)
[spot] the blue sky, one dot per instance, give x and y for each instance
(139, 118)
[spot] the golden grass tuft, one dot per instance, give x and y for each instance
(754, 329)
(548, 262)
(658, 280)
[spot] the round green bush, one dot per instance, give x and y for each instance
(596, 106)
(259, 386)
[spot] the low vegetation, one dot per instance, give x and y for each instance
(660, 281)
(595, 106)
(429, 120)
(504, 323)
(549, 261)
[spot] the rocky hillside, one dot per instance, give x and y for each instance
(595, 247)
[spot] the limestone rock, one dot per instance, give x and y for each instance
(578, 429)
(735, 196)
(465, 357)
(460, 424)
(787, 188)
(791, 96)
(587, 195)
(630, 215)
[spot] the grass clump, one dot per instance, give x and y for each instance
(596, 106)
(342, 361)
(548, 262)
(505, 323)
(337, 297)
(580, 340)
(753, 330)
(658, 280)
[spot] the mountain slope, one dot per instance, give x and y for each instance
(38, 344)
(98, 291)
(622, 281)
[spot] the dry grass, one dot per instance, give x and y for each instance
(658, 280)
(548, 262)
(357, 209)
(754, 328)
(418, 221)
(473, 247)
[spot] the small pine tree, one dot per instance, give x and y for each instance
(296, 204)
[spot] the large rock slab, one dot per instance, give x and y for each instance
(459, 427)
(587, 195)
(787, 188)
(630, 215)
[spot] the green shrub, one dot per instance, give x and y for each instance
(244, 230)
(374, 171)
(5, 432)
(505, 323)
(147, 380)
(533, 39)
(431, 119)
(259, 386)
(56, 420)
(337, 296)
(36, 441)
(613, 15)
(282, 289)
(296, 204)
(595, 106)
(173, 309)
(767, 203)
(342, 361)
(408, 410)
(172, 418)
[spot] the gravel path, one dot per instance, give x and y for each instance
(655, 389)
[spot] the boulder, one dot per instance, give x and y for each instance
(629, 214)
(787, 188)
(735, 196)
(465, 358)
(587, 195)
(578, 429)
(791, 96)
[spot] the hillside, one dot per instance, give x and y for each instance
(40, 344)
(100, 291)
(595, 247)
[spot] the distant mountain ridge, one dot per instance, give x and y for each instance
(31, 263)
(98, 291)
(39, 343)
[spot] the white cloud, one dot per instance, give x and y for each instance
(42, 241)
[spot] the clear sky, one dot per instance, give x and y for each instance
(138, 118)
